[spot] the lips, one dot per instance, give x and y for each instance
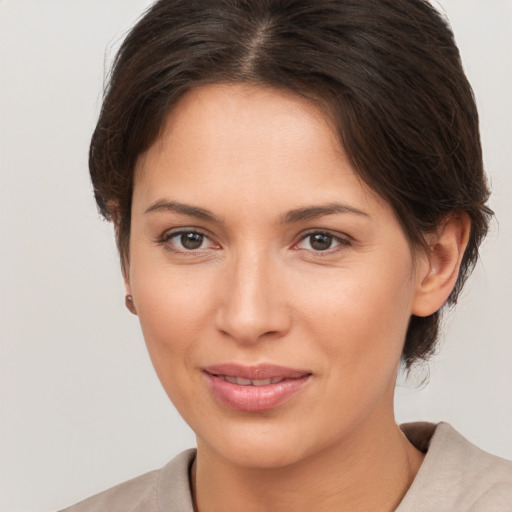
(254, 388)
(250, 382)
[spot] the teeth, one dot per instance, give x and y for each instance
(251, 382)
(261, 382)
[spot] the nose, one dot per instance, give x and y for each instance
(253, 301)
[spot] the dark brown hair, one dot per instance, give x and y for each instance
(387, 72)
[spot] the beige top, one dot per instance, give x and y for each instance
(455, 476)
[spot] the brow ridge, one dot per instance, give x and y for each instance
(182, 208)
(314, 212)
(290, 217)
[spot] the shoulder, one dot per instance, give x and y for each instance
(456, 474)
(152, 492)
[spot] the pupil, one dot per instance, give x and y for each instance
(321, 242)
(191, 240)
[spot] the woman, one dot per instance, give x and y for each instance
(297, 191)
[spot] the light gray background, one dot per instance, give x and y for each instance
(81, 408)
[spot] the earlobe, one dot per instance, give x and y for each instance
(439, 269)
(128, 299)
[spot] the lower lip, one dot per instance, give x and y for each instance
(255, 398)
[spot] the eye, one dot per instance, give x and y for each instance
(321, 241)
(186, 241)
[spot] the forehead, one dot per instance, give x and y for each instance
(219, 117)
(257, 143)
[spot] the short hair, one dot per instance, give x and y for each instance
(387, 73)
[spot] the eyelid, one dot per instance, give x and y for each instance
(342, 239)
(167, 235)
(170, 233)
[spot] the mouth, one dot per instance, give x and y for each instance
(254, 388)
(250, 382)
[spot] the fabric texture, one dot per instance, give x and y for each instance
(455, 476)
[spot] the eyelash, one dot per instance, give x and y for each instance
(341, 242)
(168, 236)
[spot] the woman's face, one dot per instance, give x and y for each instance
(273, 287)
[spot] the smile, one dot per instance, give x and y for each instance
(254, 388)
(250, 382)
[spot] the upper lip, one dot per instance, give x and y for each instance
(254, 372)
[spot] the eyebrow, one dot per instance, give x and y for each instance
(290, 217)
(315, 212)
(184, 209)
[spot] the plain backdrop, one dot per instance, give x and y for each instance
(81, 408)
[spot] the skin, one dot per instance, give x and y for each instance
(257, 291)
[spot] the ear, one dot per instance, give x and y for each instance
(128, 299)
(438, 268)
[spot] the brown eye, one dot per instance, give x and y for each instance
(320, 241)
(191, 240)
(184, 241)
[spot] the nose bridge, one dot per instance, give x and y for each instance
(252, 305)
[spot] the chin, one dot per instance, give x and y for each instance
(263, 444)
(260, 456)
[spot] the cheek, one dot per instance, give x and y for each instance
(174, 308)
(360, 318)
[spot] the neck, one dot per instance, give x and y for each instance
(371, 470)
